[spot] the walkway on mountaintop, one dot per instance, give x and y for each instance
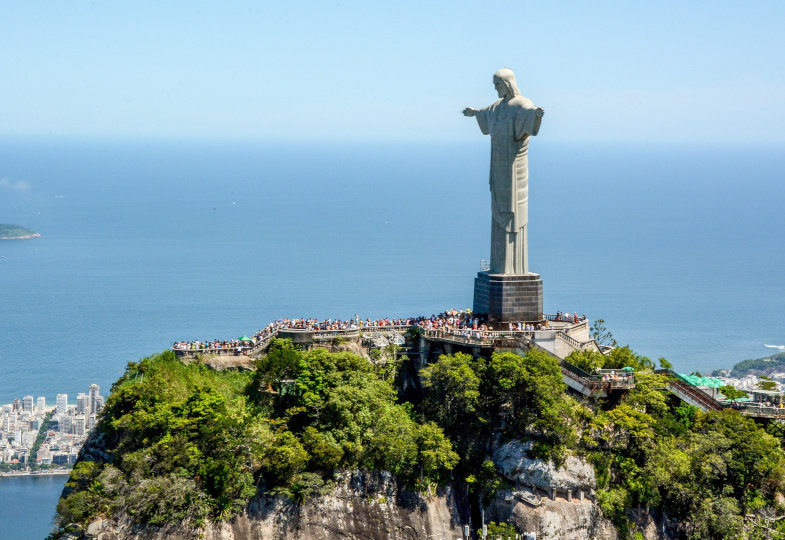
(587, 384)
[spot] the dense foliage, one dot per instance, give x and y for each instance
(188, 443)
(617, 358)
(474, 400)
(718, 473)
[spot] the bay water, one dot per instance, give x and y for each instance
(677, 247)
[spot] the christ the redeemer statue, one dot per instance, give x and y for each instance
(510, 122)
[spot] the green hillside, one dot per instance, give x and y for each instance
(758, 366)
(182, 444)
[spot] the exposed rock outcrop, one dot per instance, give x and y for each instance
(375, 506)
(516, 464)
(553, 519)
(555, 502)
(363, 506)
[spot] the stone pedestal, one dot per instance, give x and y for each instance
(299, 336)
(506, 298)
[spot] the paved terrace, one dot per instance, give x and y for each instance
(560, 338)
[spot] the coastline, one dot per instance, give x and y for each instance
(25, 237)
(55, 472)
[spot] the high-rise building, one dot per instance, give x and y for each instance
(62, 404)
(16, 404)
(79, 425)
(66, 424)
(99, 404)
(94, 393)
(27, 404)
(82, 403)
(41, 406)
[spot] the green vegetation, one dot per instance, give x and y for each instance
(39, 440)
(8, 467)
(758, 366)
(10, 232)
(476, 400)
(618, 358)
(601, 334)
(505, 531)
(189, 444)
(731, 392)
(716, 472)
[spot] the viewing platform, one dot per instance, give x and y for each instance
(560, 337)
(425, 339)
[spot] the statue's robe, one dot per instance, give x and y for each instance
(510, 123)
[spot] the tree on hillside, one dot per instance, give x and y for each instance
(731, 392)
(601, 334)
(767, 384)
(452, 391)
(622, 357)
(528, 394)
(587, 360)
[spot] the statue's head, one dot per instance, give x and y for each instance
(504, 81)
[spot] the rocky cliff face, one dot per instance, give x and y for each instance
(554, 502)
(363, 506)
(374, 506)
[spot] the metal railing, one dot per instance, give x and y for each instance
(760, 411)
(477, 337)
(678, 384)
(597, 381)
(460, 335)
(574, 343)
(564, 318)
(457, 337)
(219, 351)
(325, 335)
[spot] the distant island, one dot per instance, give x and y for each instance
(766, 366)
(15, 232)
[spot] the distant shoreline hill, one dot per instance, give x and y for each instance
(15, 232)
(758, 366)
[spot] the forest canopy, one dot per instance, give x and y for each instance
(186, 444)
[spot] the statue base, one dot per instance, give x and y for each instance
(506, 298)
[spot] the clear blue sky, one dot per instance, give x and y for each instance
(350, 70)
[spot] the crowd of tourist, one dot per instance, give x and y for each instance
(459, 322)
(618, 377)
(565, 316)
(213, 345)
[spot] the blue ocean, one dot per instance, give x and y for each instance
(677, 247)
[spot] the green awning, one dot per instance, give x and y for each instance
(696, 380)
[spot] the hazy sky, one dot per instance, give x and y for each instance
(314, 71)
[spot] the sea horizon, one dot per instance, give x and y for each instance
(147, 243)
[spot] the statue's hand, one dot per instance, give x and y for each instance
(540, 112)
(468, 111)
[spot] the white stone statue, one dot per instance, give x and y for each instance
(510, 122)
